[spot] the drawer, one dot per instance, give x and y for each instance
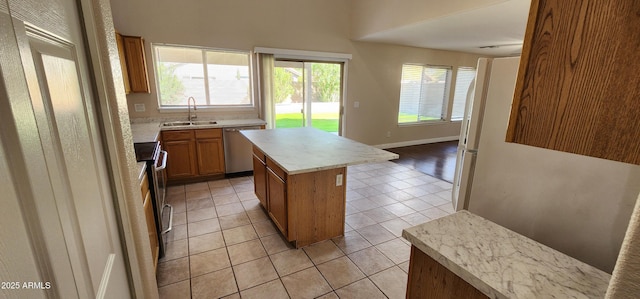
(208, 133)
(259, 154)
(177, 135)
(276, 169)
(144, 186)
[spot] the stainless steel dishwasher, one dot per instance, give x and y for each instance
(237, 150)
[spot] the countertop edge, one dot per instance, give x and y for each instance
(150, 131)
(453, 267)
(299, 170)
(220, 125)
(488, 285)
(314, 169)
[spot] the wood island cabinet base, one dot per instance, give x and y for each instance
(430, 279)
(316, 206)
(308, 207)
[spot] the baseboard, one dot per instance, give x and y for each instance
(417, 142)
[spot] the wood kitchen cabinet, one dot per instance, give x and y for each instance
(277, 205)
(260, 176)
(181, 148)
(133, 63)
(123, 63)
(578, 87)
(150, 218)
(209, 151)
(193, 154)
(306, 207)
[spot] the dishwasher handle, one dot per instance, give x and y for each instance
(241, 129)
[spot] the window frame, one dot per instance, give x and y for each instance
(208, 107)
(444, 113)
(453, 99)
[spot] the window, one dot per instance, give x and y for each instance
(307, 93)
(423, 93)
(464, 79)
(215, 78)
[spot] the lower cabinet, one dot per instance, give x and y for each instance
(193, 154)
(277, 205)
(147, 205)
(429, 279)
(260, 177)
(306, 207)
(209, 151)
(181, 159)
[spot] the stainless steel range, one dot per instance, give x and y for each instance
(156, 159)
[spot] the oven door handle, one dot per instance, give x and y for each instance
(170, 218)
(164, 161)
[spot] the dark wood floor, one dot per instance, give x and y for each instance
(434, 159)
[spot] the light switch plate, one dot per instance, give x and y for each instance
(139, 107)
(339, 180)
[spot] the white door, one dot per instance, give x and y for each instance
(75, 240)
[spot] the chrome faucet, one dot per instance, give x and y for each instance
(194, 108)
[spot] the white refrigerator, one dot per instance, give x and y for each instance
(575, 204)
(470, 135)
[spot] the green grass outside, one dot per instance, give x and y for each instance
(324, 121)
(412, 118)
(407, 118)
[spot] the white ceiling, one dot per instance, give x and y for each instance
(500, 26)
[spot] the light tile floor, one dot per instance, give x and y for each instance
(223, 245)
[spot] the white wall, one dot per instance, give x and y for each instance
(373, 74)
(373, 16)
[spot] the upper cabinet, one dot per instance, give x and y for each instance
(133, 62)
(578, 86)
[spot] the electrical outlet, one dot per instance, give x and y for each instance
(339, 180)
(356, 104)
(139, 107)
(388, 134)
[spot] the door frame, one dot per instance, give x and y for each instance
(315, 56)
(113, 117)
(34, 250)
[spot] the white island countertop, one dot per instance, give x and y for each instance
(300, 150)
(504, 264)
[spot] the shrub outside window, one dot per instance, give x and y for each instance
(215, 78)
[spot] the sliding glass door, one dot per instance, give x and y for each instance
(308, 94)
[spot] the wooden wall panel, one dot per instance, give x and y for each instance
(578, 85)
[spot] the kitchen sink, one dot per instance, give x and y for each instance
(204, 122)
(189, 123)
(176, 124)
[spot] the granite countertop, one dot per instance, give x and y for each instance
(300, 150)
(149, 131)
(503, 264)
(145, 132)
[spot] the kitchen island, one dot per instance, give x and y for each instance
(466, 256)
(300, 176)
